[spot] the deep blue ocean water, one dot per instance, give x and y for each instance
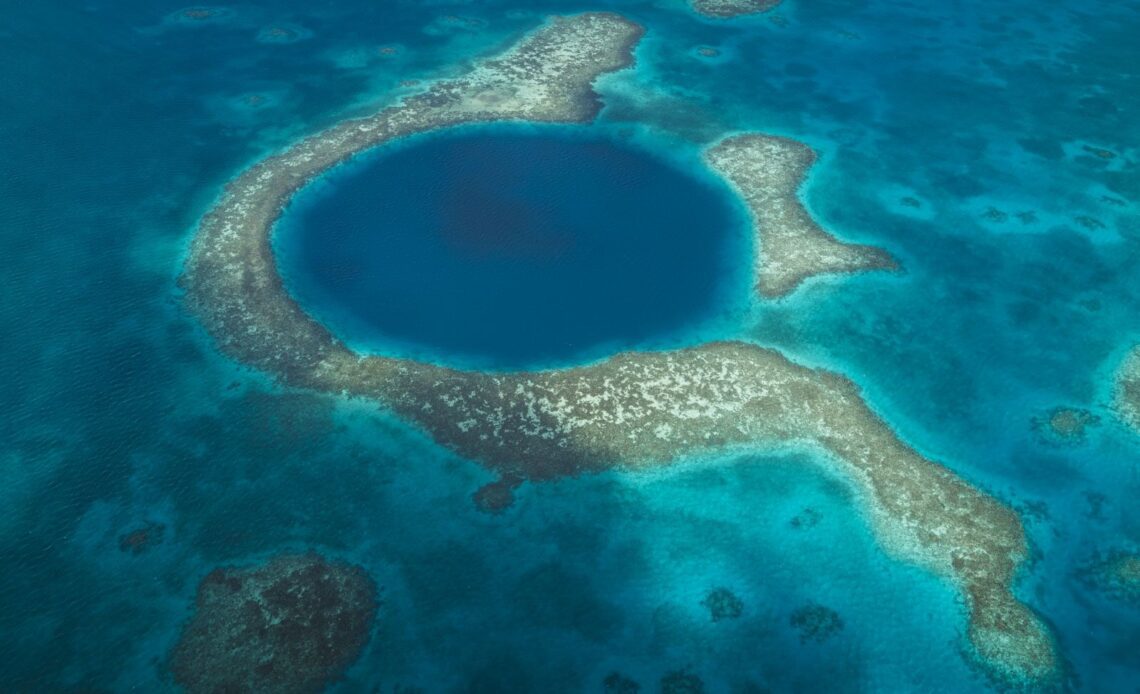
(120, 128)
(510, 247)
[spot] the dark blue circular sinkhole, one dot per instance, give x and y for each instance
(514, 247)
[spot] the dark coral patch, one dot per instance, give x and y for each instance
(727, 9)
(198, 16)
(807, 518)
(293, 624)
(496, 497)
(1116, 575)
(283, 33)
(142, 538)
(617, 683)
(681, 682)
(1089, 223)
(1062, 426)
(722, 603)
(993, 214)
(1099, 152)
(815, 622)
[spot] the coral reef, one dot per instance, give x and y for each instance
(993, 214)
(815, 622)
(722, 603)
(497, 496)
(1089, 223)
(1099, 152)
(198, 13)
(617, 683)
(1096, 502)
(283, 33)
(681, 682)
(807, 518)
(1116, 574)
(292, 624)
(1126, 399)
(1064, 425)
(142, 538)
(726, 9)
(767, 172)
(198, 16)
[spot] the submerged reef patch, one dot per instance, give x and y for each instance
(1116, 574)
(198, 16)
(1127, 396)
(142, 538)
(497, 496)
(1064, 426)
(681, 682)
(807, 518)
(815, 622)
(767, 172)
(722, 603)
(617, 683)
(635, 410)
(283, 33)
(293, 624)
(726, 9)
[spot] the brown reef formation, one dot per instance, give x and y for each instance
(767, 172)
(727, 9)
(635, 410)
(1127, 396)
(293, 624)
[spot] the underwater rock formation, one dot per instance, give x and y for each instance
(292, 624)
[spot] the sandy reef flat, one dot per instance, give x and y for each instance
(637, 409)
(726, 9)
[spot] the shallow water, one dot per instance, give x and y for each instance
(119, 130)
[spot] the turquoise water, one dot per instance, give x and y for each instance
(119, 129)
(509, 247)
